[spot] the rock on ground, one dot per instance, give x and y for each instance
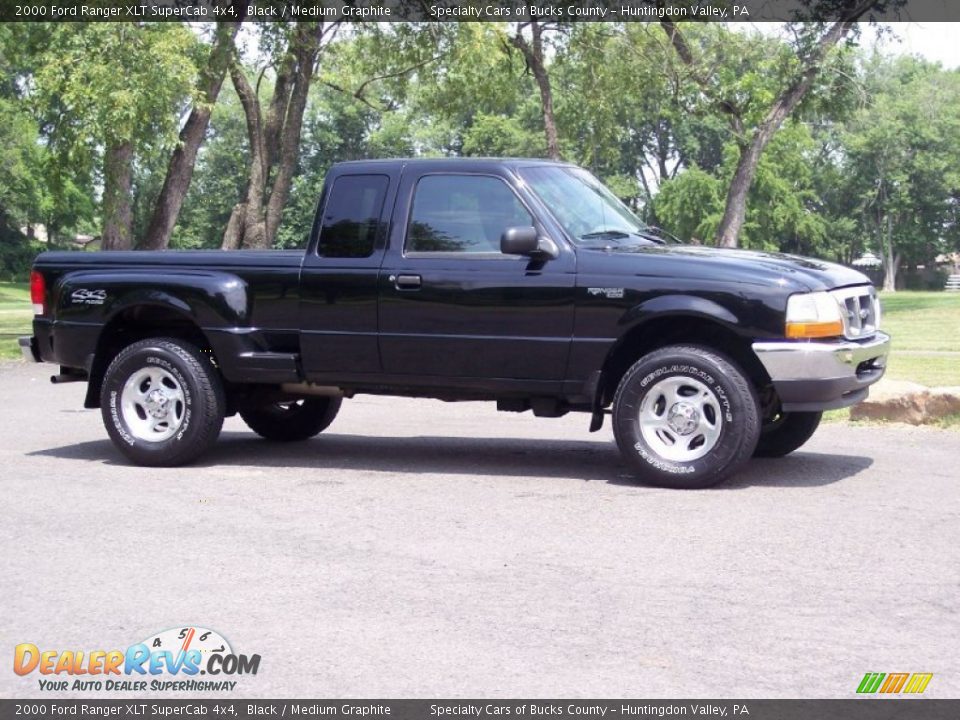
(907, 402)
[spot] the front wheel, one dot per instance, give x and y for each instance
(685, 417)
(786, 433)
(291, 421)
(162, 402)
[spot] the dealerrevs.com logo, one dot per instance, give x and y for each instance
(170, 660)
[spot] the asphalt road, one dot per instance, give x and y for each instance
(424, 549)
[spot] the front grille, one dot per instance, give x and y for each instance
(861, 311)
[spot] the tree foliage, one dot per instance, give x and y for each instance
(902, 162)
(866, 158)
(112, 94)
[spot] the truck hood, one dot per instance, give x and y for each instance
(694, 262)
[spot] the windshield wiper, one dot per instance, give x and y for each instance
(661, 236)
(612, 234)
(618, 236)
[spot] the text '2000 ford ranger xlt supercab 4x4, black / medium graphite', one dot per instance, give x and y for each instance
(523, 282)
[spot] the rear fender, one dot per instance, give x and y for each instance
(132, 304)
(209, 299)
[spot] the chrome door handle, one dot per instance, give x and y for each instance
(407, 282)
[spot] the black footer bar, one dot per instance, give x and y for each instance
(874, 708)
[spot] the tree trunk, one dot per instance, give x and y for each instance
(289, 138)
(184, 158)
(231, 236)
(890, 274)
(274, 141)
(891, 259)
(117, 185)
(243, 228)
(533, 55)
(735, 212)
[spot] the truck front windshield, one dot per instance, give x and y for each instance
(588, 211)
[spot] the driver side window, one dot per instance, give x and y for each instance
(462, 214)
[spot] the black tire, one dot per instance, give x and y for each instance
(786, 433)
(289, 422)
(728, 412)
(195, 409)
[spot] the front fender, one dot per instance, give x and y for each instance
(677, 305)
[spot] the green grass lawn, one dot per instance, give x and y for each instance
(925, 327)
(922, 321)
(15, 317)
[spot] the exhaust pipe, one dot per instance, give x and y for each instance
(67, 378)
(312, 389)
(68, 374)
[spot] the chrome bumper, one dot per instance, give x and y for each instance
(823, 375)
(28, 348)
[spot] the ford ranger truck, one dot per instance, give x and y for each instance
(521, 282)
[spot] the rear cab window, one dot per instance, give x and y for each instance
(353, 216)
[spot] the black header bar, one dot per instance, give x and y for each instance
(475, 10)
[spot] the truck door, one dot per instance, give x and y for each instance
(451, 304)
(338, 278)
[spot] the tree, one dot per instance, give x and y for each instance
(691, 204)
(643, 124)
(23, 194)
(115, 89)
(476, 83)
(814, 43)
(219, 178)
(902, 162)
(357, 110)
(274, 137)
(184, 157)
(533, 54)
(37, 186)
(782, 213)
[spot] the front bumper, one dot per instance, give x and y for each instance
(29, 349)
(812, 376)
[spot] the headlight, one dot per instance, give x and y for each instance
(813, 315)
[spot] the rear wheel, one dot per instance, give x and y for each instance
(685, 417)
(786, 432)
(293, 420)
(162, 402)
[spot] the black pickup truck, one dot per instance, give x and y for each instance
(523, 282)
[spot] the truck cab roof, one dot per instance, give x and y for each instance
(447, 163)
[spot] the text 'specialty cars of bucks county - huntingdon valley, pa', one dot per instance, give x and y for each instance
(522, 282)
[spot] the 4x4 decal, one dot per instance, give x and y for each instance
(83, 296)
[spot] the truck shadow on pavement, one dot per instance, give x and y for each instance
(573, 459)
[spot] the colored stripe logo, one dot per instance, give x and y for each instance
(894, 683)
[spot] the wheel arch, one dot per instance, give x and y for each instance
(687, 327)
(138, 322)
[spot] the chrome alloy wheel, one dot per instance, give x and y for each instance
(152, 404)
(680, 419)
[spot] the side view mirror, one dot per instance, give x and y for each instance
(524, 240)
